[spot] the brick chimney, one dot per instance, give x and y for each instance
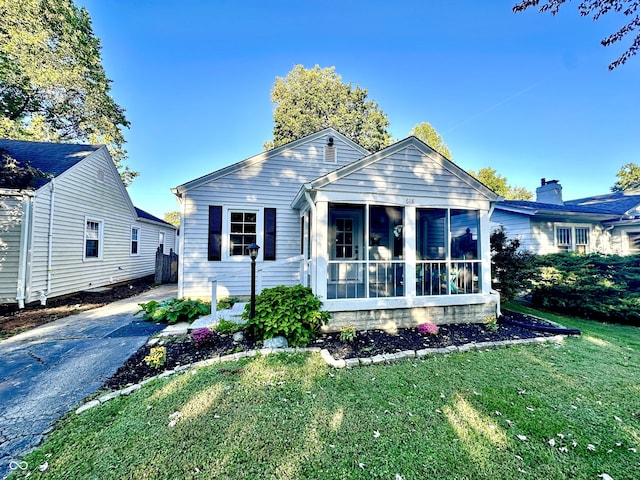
(549, 191)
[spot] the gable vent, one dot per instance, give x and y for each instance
(330, 153)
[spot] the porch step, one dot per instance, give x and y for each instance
(232, 314)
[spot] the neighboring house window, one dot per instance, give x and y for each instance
(582, 239)
(135, 240)
(161, 242)
(93, 238)
(634, 243)
(572, 238)
(563, 239)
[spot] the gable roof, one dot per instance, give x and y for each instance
(411, 141)
(264, 156)
(51, 158)
(142, 215)
(618, 204)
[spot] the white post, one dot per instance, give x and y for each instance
(214, 300)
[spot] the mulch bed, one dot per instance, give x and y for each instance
(182, 351)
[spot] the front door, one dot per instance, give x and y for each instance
(346, 244)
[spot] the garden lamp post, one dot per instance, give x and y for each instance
(253, 253)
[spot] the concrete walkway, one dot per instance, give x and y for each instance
(47, 371)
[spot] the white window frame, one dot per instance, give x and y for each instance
(100, 239)
(629, 234)
(573, 245)
(226, 231)
(137, 241)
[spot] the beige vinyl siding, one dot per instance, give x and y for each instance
(93, 190)
(272, 183)
(409, 173)
(10, 226)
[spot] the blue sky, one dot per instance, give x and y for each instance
(527, 94)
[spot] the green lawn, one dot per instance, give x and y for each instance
(534, 412)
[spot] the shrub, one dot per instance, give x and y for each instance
(225, 326)
(174, 310)
(347, 333)
(293, 312)
(202, 337)
(428, 328)
(601, 287)
(510, 267)
(157, 357)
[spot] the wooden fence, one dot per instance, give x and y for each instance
(166, 267)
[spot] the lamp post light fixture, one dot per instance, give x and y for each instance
(253, 253)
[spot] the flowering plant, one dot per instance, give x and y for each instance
(201, 336)
(157, 357)
(428, 328)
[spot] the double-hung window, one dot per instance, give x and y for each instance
(572, 238)
(135, 241)
(93, 231)
(243, 228)
(233, 229)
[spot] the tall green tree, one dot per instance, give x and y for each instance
(628, 178)
(498, 184)
(425, 132)
(308, 100)
(52, 83)
(595, 9)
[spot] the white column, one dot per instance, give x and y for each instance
(410, 243)
(321, 250)
(485, 251)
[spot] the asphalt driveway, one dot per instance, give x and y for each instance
(47, 371)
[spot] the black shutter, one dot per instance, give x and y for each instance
(269, 252)
(215, 233)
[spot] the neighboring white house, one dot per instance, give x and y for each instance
(607, 223)
(74, 230)
(393, 238)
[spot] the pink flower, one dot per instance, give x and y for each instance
(428, 328)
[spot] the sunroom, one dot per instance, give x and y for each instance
(398, 250)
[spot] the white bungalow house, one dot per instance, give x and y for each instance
(74, 230)
(393, 238)
(608, 223)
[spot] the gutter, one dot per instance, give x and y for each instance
(47, 292)
(21, 287)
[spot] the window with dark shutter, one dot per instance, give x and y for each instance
(215, 233)
(269, 252)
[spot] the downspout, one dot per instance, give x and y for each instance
(24, 249)
(44, 294)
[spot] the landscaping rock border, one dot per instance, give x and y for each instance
(326, 356)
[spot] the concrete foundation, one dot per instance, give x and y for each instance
(393, 319)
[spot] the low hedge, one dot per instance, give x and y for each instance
(602, 287)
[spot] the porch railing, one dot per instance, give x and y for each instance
(374, 279)
(448, 278)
